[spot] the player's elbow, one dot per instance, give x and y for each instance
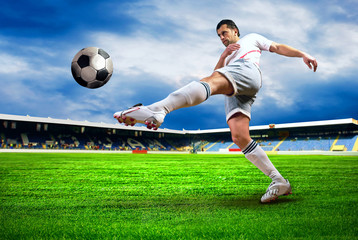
(274, 47)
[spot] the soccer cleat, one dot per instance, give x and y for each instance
(140, 114)
(275, 190)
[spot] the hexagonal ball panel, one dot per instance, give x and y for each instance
(109, 65)
(90, 51)
(97, 62)
(88, 74)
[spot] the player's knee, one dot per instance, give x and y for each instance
(240, 140)
(237, 139)
(219, 84)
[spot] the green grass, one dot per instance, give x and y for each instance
(127, 196)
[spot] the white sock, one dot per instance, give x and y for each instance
(259, 158)
(190, 95)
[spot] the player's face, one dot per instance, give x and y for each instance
(227, 35)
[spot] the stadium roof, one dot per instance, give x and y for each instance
(8, 117)
(346, 121)
(85, 123)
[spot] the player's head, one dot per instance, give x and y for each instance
(227, 31)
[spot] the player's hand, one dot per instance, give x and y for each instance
(230, 49)
(310, 61)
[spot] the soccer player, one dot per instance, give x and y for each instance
(236, 75)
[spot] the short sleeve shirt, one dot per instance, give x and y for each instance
(251, 46)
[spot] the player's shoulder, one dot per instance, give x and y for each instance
(252, 35)
(255, 38)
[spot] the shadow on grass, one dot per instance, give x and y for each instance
(252, 201)
(200, 202)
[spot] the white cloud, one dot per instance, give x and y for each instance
(12, 64)
(174, 61)
(338, 52)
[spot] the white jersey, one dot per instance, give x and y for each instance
(251, 46)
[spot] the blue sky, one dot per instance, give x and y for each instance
(158, 46)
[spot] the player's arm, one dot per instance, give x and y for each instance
(288, 51)
(220, 64)
(229, 49)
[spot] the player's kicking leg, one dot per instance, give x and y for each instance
(190, 95)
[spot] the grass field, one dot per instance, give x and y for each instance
(128, 196)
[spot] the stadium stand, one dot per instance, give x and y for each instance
(306, 144)
(268, 144)
(48, 133)
(347, 141)
(220, 144)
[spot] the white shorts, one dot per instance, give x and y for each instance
(246, 79)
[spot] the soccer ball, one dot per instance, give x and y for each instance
(92, 67)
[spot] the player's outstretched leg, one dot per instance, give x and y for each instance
(153, 115)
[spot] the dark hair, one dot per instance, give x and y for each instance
(230, 24)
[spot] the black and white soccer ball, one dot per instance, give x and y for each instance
(92, 67)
